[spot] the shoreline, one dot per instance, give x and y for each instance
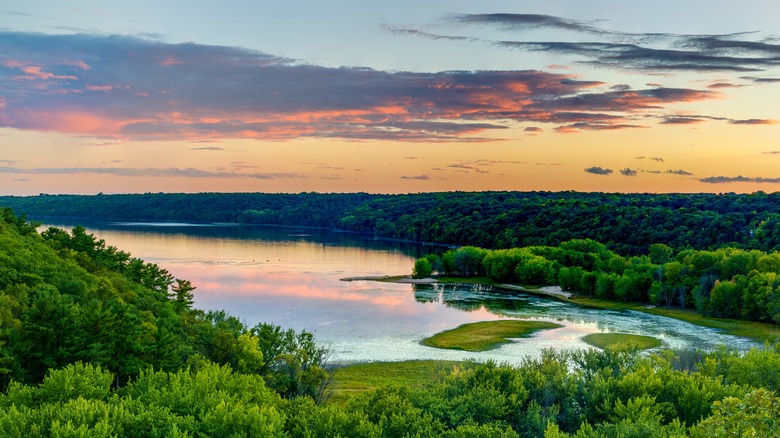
(402, 279)
(548, 291)
(754, 330)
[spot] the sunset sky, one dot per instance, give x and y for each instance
(389, 97)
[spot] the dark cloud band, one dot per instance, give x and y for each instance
(129, 88)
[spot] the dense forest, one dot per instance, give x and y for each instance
(625, 223)
(97, 343)
(727, 282)
(69, 297)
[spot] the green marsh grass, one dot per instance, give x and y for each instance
(486, 335)
(606, 340)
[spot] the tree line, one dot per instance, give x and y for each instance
(625, 223)
(726, 282)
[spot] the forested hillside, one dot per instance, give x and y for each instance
(68, 297)
(626, 223)
(96, 343)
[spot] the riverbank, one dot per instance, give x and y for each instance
(405, 279)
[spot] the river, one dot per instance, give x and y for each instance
(292, 277)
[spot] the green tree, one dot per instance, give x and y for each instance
(422, 268)
(181, 295)
(757, 414)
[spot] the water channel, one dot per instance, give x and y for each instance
(292, 277)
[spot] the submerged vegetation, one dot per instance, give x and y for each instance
(485, 335)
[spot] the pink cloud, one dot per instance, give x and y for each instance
(236, 93)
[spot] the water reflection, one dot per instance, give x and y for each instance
(291, 277)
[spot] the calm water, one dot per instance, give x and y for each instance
(292, 277)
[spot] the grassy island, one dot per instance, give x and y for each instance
(486, 335)
(606, 340)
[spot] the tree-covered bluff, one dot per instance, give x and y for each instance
(69, 297)
(625, 223)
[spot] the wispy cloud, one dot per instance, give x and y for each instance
(172, 172)
(739, 179)
(753, 122)
(128, 88)
(628, 172)
(682, 121)
(417, 177)
(678, 172)
(23, 14)
(631, 50)
(596, 170)
(208, 148)
(658, 159)
(723, 85)
(760, 80)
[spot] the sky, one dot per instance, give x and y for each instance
(389, 97)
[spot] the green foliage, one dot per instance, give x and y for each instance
(422, 268)
(626, 223)
(96, 343)
(757, 414)
(69, 298)
(293, 365)
(466, 261)
(724, 283)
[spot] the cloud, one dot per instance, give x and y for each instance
(23, 14)
(723, 85)
(668, 52)
(242, 165)
(739, 179)
(533, 129)
(753, 122)
(771, 152)
(760, 80)
(478, 165)
(598, 170)
(583, 126)
(22, 179)
(417, 177)
(658, 159)
(678, 172)
(628, 172)
(127, 88)
(208, 148)
(172, 172)
(681, 121)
